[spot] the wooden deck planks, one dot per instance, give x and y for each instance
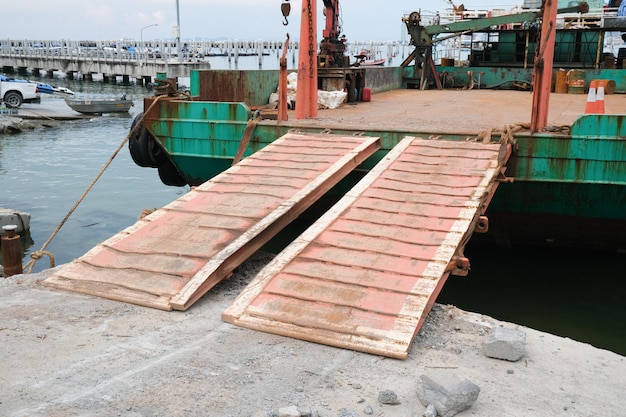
(171, 258)
(366, 274)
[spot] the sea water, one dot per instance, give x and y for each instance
(579, 294)
(46, 171)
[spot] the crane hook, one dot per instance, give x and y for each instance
(285, 7)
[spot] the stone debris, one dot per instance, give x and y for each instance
(388, 397)
(446, 392)
(293, 411)
(289, 412)
(430, 411)
(504, 343)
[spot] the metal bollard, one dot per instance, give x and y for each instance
(11, 251)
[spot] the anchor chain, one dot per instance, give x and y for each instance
(311, 46)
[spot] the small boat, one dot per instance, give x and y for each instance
(368, 58)
(100, 105)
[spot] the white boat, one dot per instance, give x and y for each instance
(368, 58)
(100, 105)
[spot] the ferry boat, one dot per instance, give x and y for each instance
(564, 185)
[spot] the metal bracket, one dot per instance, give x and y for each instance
(503, 178)
(459, 266)
(483, 225)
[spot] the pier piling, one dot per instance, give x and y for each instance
(11, 251)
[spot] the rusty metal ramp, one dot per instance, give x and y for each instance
(172, 257)
(367, 273)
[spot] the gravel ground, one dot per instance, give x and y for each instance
(66, 354)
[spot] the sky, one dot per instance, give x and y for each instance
(363, 20)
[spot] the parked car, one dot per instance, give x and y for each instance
(14, 93)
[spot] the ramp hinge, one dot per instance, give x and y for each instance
(459, 266)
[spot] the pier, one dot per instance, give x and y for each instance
(143, 60)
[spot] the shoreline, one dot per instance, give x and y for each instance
(71, 354)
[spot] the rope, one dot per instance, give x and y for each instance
(35, 256)
(507, 134)
(245, 139)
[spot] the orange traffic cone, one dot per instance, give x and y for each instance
(600, 98)
(591, 99)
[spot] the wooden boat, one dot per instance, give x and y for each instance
(100, 105)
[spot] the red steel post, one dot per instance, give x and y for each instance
(542, 75)
(306, 93)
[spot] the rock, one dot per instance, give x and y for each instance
(430, 411)
(447, 393)
(305, 412)
(388, 397)
(505, 343)
(289, 412)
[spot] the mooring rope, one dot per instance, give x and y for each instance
(35, 256)
(507, 134)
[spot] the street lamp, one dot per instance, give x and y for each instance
(178, 48)
(145, 27)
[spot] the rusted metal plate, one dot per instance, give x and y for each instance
(172, 257)
(250, 87)
(366, 274)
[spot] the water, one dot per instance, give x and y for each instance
(572, 293)
(45, 171)
(580, 294)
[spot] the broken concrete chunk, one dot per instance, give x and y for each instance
(388, 397)
(289, 412)
(430, 411)
(505, 343)
(447, 393)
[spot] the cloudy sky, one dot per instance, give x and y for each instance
(363, 20)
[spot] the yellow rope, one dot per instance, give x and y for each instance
(35, 256)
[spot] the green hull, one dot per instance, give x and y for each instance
(512, 78)
(567, 189)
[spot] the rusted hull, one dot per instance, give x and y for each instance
(568, 177)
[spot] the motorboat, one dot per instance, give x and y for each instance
(100, 105)
(368, 58)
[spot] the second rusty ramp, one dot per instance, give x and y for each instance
(366, 274)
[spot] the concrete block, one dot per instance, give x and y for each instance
(13, 217)
(505, 343)
(447, 392)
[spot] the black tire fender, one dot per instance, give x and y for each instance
(169, 175)
(144, 149)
